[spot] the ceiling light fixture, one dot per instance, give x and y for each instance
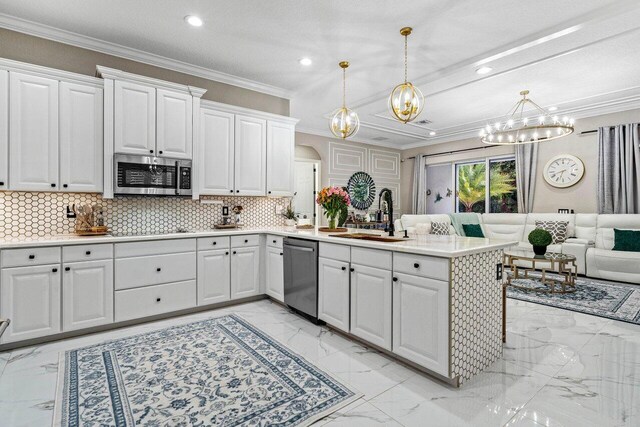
(517, 129)
(406, 101)
(193, 20)
(305, 61)
(432, 133)
(484, 70)
(344, 122)
(553, 108)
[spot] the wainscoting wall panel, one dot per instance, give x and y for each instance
(384, 164)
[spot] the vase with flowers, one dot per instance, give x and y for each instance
(333, 200)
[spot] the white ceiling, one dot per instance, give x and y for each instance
(579, 55)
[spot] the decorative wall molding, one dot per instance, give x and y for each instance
(384, 164)
(346, 159)
(74, 39)
(394, 186)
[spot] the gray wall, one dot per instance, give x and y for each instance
(36, 50)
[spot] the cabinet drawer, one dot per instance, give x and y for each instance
(86, 253)
(30, 256)
(210, 243)
(423, 266)
(153, 270)
(371, 258)
(333, 251)
(240, 241)
(143, 302)
(154, 247)
(274, 241)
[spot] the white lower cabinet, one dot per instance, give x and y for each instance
(421, 321)
(151, 300)
(30, 297)
(371, 293)
(214, 276)
(245, 272)
(275, 273)
(333, 292)
(87, 294)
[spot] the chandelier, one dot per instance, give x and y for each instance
(517, 129)
(406, 101)
(344, 122)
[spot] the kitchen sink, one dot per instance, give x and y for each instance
(366, 236)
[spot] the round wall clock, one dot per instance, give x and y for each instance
(563, 171)
(362, 190)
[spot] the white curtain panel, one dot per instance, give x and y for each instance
(419, 188)
(619, 169)
(526, 161)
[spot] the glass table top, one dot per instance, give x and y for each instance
(551, 256)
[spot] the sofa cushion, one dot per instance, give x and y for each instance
(440, 228)
(586, 227)
(613, 265)
(626, 240)
(557, 229)
(472, 230)
(505, 226)
(533, 217)
(606, 224)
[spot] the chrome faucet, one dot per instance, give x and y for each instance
(386, 193)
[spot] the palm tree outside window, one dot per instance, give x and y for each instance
(474, 195)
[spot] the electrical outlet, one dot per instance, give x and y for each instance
(499, 271)
(225, 211)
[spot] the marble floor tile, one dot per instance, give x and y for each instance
(362, 415)
(541, 357)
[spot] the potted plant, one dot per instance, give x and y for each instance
(289, 216)
(333, 200)
(540, 239)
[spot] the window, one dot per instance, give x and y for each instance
(474, 195)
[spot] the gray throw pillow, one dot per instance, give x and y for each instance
(558, 230)
(440, 228)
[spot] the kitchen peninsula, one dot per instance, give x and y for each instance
(433, 301)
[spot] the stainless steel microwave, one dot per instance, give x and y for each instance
(151, 176)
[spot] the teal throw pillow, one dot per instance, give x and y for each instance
(626, 240)
(472, 230)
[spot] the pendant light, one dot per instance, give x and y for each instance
(344, 122)
(516, 129)
(406, 101)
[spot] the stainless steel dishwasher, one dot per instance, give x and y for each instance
(301, 276)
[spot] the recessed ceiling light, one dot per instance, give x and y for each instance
(193, 20)
(484, 70)
(432, 133)
(553, 108)
(305, 61)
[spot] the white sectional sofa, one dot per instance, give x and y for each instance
(590, 238)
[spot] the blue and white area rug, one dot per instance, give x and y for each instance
(220, 371)
(611, 300)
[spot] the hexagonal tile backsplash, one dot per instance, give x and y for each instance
(26, 214)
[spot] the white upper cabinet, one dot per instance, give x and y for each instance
(81, 132)
(280, 158)
(250, 156)
(4, 129)
(174, 124)
(216, 153)
(134, 118)
(33, 133)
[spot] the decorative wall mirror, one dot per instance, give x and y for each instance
(362, 190)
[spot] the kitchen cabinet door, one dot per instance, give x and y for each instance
(333, 293)
(174, 124)
(214, 276)
(250, 156)
(87, 294)
(280, 159)
(81, 149)
(371, 293)
(275, 273)
(134, 118)
(421, 321)
(245, 272)
(30, 297)
(4, 129)
(216, 153)
(33, 133)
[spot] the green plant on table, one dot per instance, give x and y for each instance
(540, 237)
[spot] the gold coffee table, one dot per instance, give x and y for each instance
(562, 265)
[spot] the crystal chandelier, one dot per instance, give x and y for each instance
(344, 122)
(406, 101)
(518, 129)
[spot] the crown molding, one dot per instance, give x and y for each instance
(111, 73)
(11, 65)
(74, 39)
(233, 109)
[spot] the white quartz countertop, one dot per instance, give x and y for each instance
(440, 246)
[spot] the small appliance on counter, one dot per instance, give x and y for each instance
(151, 176)
(89, 220)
